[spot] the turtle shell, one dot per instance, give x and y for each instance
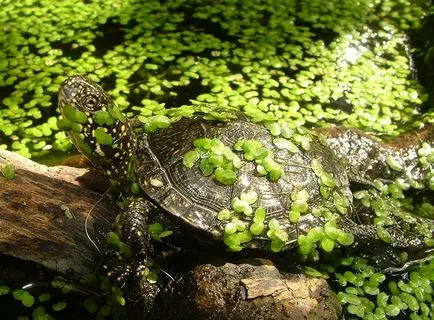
(197, 199)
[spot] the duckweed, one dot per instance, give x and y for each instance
(277, 235)
(102, 137)
(24, 296)
(394, 163)
(153, 123)
(8, 171)
(44, 297)
(215, 159)
(269, 63)
(365, 295)
(59, 306)
(113, 240)
(157, 231)
(220, 161)
(226, 177)
(103, 118)
(40, 313)
(4, 289)
(254, 150)
(326, 237)
(90, 305)
(246, 220)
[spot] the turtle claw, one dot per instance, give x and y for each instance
(118, 272)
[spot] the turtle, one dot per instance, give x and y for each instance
(260, 186)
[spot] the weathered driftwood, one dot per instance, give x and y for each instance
(35, 224)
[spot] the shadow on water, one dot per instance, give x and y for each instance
(18, 274)
(423, 39)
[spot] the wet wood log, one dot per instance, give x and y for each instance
(43, 213)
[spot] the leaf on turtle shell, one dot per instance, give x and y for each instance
(283, 143)
(226, 177)
(276, 245)
(294, 216)
(190, 158)
(383, 234)
(345, 238)
(206, 167)
(230, 228)
(224, 214)
(251, 197)
(275, 174)
(259, 214)
(256, 228)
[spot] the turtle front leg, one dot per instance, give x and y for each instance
(129, 270)
(133, 222)
(132, 226)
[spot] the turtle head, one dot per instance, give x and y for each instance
(96, 126)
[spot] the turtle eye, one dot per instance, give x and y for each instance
(91, 101)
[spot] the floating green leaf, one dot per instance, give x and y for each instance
(4, 289)
(90, 305)
(59, 306)
(44, 297)
(24, 296)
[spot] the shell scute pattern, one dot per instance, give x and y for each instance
(197, 199)
(186, 193)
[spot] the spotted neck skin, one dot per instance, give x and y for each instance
(97, 127)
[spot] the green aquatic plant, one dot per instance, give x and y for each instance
(157, 231)
(8, 171)
(24, 296)
(216, 159)
(310, 64)
(53, 300)
(253, 150)
(369, 294)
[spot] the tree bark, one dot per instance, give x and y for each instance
(43, 213)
